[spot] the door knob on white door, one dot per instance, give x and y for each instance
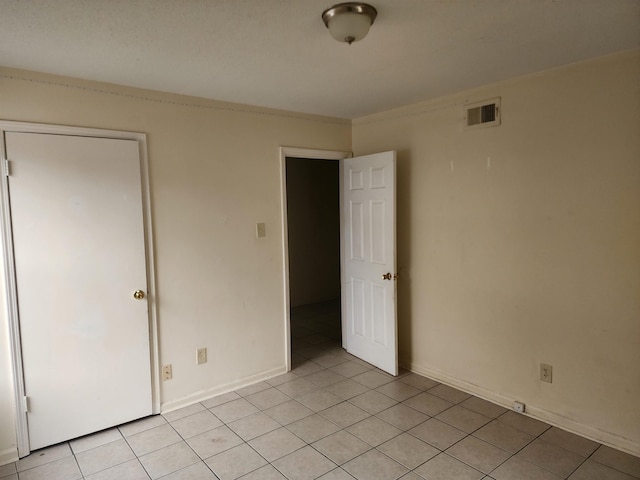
(389, 276)
(138, 294)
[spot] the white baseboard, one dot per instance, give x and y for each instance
(552, 418)
(8, 456)
(219, 390)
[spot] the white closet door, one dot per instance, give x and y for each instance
(77, 221)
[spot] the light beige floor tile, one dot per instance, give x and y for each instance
(147, 423)
(437, 433)
(444, 467)
(6, 470)
(483, 407)
(264, 473)
(517, 469)
(619, 460)
(214, 441)
(374, 431)
(330, 360)
(551, 457)
(297, 388)
(268, 398)
(304, 464)
(450, 394)
(372, 401)
(346, 389)
(307, 368)
(591, 470)
(197, 471)
(153, 439)
(63, 469)
(235, 462)
(324, 378)
(195, 424)
(463, 419)
(418, 381)
(398, 390)
(524, 423)
(402, 416)
(319, 400)
(411, 476)
(350, 369)
(427, 403)
(220, 399)
(183, 412)
(355, 359)
(233, 410)
(312, 428)
(253, 426)
(478, 454)
(344, 414)
(288, 412)
(336, 474)
(104, 456)
(341, 447)
(280, 379)
(276, 444)
(251, 389)
(408, 450)
(569, 441)
(95, 440)
(373, 378)
(11, 476)
(374, 465)
(168, 460)
(131, 470)
(44, 455)
(317, 339)
(503, 436)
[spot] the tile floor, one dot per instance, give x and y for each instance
(334, 417)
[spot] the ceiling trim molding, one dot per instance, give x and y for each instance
(149, 96)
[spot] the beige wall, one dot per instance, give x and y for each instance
(215, 172)
(520, 244)
(313, 211)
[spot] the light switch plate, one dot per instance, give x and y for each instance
(261, 230)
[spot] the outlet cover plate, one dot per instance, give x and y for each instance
(201, 356)
(546, 373)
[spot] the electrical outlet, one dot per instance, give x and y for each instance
(167, 373)
(261, 230)
(546, 373)
(518, 407)
(201, 356)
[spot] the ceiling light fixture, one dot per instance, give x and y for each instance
(349, 22)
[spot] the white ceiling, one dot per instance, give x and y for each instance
(278, 53)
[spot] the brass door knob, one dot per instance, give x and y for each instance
(138, 294)
(389, 276)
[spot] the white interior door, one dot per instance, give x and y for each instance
(77, 223)
(369, 259)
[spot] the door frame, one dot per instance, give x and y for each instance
(311, 154)
(9, 271)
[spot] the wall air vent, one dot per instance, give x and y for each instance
(483, 114)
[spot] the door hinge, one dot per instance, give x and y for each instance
(7, 167)
(25, 404)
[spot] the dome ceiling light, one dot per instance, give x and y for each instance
(349, 22)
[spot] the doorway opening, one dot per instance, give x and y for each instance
(311, 251)
(313, 218)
